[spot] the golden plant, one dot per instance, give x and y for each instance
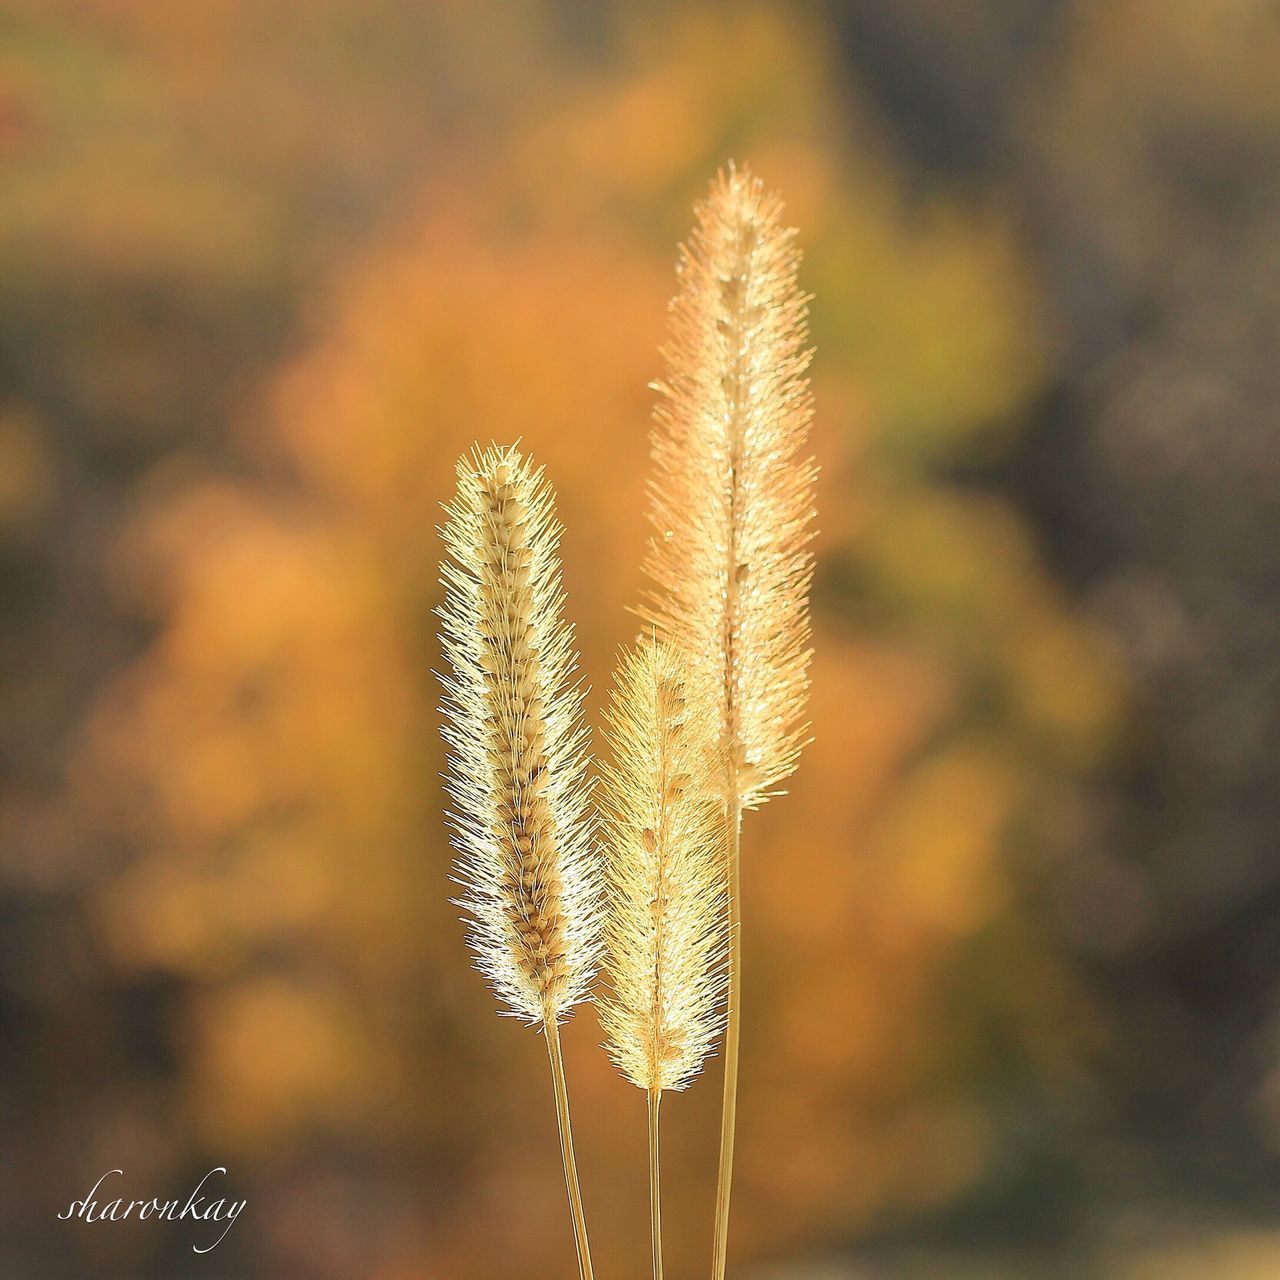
(664, 927)
(517, 768)
(706, 717)
(732, 502)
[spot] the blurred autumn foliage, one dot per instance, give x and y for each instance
(268, 270)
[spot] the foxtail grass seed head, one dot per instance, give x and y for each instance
(732, 494)
(517, 766)
(663, 836)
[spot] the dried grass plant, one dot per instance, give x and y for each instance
(707, 713)
(517, 767)
(732, 502)
(664, 923)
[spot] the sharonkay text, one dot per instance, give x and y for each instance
(200, 1206)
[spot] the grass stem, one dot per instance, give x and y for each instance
(566, 1150)
(655, 1189)
(733, 1032)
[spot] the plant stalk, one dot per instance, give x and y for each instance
(552, 1031)
(655, 1190)
(733, 1031)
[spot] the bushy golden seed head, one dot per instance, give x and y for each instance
(732, 495)
(518, 750)
(663, 840)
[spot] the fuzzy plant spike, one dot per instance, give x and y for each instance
(732, 504)
(664, 925)
(732, 491)
(518, 749)
(663, 840)
(517, 764)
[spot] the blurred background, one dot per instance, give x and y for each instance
(1013, 939)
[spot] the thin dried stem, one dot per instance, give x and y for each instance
(732, 1042)
(566, 1150)
(655, 1184)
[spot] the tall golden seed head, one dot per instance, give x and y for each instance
(663, 838)
(732, 494)
(518, 750)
